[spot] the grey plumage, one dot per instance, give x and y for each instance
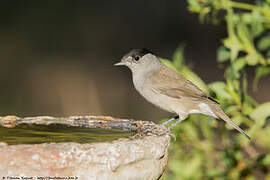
(168, 90)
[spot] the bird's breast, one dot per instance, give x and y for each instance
(149, 92)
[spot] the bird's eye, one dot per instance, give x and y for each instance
(137, 58)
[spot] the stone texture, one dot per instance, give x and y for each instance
(138, 158)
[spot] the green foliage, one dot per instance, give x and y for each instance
(205, 148)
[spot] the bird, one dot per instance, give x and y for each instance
(170, 91)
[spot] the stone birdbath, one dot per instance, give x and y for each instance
(82, 147)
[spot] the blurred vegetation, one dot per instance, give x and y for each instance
(205, 148)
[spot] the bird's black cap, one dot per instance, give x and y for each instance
(138, 52)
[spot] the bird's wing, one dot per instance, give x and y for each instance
(167, 81)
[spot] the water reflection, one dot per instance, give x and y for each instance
(35, 134)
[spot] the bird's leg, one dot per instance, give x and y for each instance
(170, 120)
(177, 122)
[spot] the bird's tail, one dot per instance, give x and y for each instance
(221, 114)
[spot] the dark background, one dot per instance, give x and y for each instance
(56, 57)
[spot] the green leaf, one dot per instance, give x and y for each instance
(252, 59)
(168, 63)
(237, 120)
(233, 109)
(244, 36)
(223, 54)
(243, 33)
(204, 14)
(268, 55)
(260, 72)
(237, 66)
(261, 113)
(256, 23)
(215, 172)
(266, 160)
(206, 128)
(247, 18)
(178, 57)
(233, 44)
(264, 43)
(194, 6)
(250, 100)
(247, 108)
(219, 88)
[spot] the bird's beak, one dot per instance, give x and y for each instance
(119, 64)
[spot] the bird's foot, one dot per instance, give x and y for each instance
(177, 122)
(163, 130)
(171, 134)
(154, 129)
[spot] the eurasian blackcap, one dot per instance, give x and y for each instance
(169, 90)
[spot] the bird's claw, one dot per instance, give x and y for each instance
(155, 129)
(168, 132)
(163, 130)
